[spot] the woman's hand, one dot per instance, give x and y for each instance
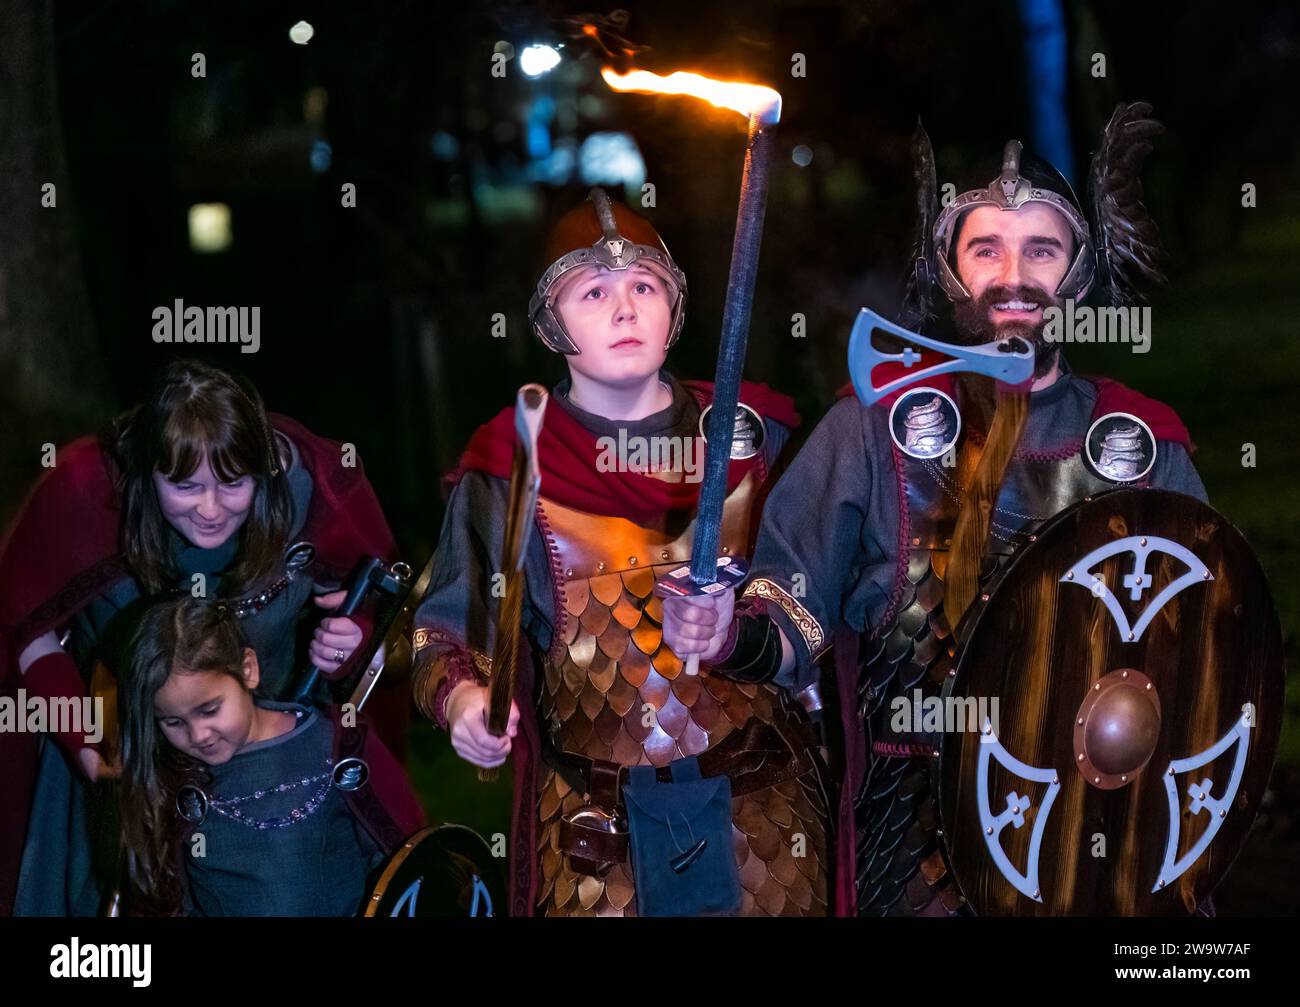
(467, 723)
(95, 768)
(335, 640)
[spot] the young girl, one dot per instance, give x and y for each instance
(612, 695)
(196, 490)
(236, 805)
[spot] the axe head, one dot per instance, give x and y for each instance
(1008, 360)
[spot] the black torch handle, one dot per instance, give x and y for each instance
(362, 581)
(731, 351)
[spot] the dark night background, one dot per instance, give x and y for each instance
(376, 320)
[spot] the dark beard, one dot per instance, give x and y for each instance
(973, 326)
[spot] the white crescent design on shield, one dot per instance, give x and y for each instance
(1141, 546)
(1025, 882)
(1201, 798)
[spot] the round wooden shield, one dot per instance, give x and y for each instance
(443, 871)
(1112, 714)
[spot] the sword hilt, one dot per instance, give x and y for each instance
(730, 573)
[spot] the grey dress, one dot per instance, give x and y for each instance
(71, 852)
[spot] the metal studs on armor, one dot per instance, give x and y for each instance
(298, 556)
(924, 423)
(1120, 448)
(191, 804)
(351, 773)
(749, 434)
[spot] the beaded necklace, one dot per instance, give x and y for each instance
(228, 807)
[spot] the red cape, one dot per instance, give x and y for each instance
(62, 549)
(63, 546)
(568, 452)
(1112, 397)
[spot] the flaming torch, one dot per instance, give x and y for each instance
(762, 107)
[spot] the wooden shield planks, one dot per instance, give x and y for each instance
(1038, 645)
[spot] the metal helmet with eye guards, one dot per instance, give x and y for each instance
(1117, 245)
(1010, 191)
(603, 233)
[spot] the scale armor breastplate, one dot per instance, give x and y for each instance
(612, 690)
(900, 870)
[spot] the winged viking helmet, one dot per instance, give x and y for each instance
(1117, 246)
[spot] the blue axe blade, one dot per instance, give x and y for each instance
(1009, 360)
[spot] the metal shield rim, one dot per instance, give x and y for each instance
(409, 846)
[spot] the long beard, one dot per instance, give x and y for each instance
(995, 420)
(974, 326)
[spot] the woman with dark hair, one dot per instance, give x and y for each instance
(196, 491)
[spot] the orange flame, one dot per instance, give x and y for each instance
(747, 99)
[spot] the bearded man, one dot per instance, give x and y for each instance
(923, 494)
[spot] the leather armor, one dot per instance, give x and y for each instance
(612, 690)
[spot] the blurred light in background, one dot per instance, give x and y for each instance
(301, 33)
(540, 115)
(611, 159)
(314, 103)
(209, 227)
(322, 155)
(592, 106)
(557, 167)
(802, 155)
(536, 60)
(444, 145)
(1046, 70)
(502, 204)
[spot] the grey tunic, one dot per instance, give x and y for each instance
(830, 530)
(265, 860)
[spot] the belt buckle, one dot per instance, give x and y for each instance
(593, 817)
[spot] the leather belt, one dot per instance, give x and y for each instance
(754, 758)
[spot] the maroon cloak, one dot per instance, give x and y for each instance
(63, 548)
